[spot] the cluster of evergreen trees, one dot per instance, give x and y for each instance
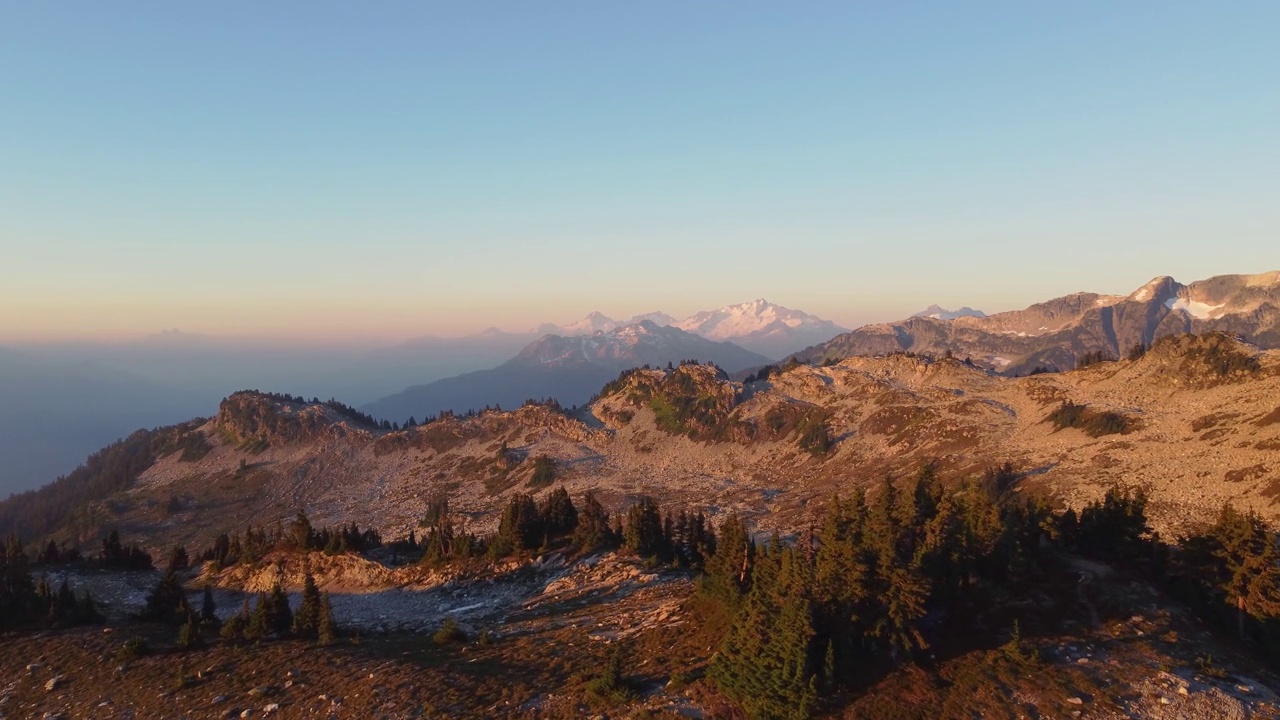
(852, 599)
(882, 580)
(27, 603)
(117, 556)
(271, 616)
(528, 525)
(254, 544)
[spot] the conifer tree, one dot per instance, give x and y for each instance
(764, 661)
(559, 516)
(306, 622)
(167, 602)
(326, 627)
(189, 637)
(593, 532)
(208, 609)
(644, 533)
(1250, 566)
(277, 614)
(728, 571)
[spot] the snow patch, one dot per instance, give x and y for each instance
(1194, 308)
(1002, 362)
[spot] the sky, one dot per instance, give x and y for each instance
(381, 170)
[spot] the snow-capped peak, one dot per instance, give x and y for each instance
(658, 318)
(735, 321)
(771, 330)
(759, 325)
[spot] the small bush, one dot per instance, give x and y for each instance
(1092, 358)
(449, 633)
(815, 436)
(233, 628)
(1095, 424)
(610, 685)
(133, 648)
(544, 472)
(189, 637)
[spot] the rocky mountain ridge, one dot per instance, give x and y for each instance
(767, 448)
(1057, 333)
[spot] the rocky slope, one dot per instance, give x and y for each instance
(1199, 426)
(1056, 333)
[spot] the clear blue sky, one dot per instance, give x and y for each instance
(394, 169)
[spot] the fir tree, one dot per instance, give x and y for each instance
(167, 602)
(208, 609)
(326, 627)
(593, 533)
(306, 622)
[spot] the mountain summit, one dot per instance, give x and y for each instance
(761, 326)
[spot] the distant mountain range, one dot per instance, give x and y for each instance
(759, 326)
(571, 361)
(569, 369)
(940, 313)
(1055, 334)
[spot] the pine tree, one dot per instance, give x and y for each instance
(278, 616)
(189, 637)
(1250, 566)
(593, 533)
(559, 516)
(208, 609)
(728, 571)
(644, 534)
(167, 602)
(764, 661)
(306, 622)
(257, 625)
(326, 628)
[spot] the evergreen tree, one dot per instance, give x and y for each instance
(189, 637)
(167, 602)
(593, 533)
(178, 559)
(208, 609)
(1250, 566)
(559, 516)
(764, 662)
(326, 628)
(728, 571)
(306, 622)
(278, 618)
(301, 535)
(644, 533)
(520, 527)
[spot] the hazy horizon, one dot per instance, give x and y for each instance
(291, 337)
